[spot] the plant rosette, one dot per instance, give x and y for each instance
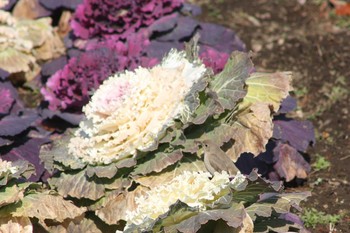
(142, 138)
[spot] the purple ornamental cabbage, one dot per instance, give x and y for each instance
(69, 88)
(119, 18)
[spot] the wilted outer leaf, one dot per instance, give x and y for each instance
(253, 129)
(233, 216)
(153, 180)
(47, 206)
(77, 185)
(254, 122)
(290, 163)
(160, 161)
(15, 225)
(10, 194)
(299, 134)
(116, 208)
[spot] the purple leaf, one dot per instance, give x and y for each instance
(158, 49)
(4, 74)
(299, 134)
(164, 24)
(54, 4)
(49, 68)
(186, 26)
(29, 151)
(12, 125)
(290, 163)
(5, 142)
(219, 37)
(7, 94)
(71, 118)
(288, 105)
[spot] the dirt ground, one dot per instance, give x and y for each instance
(287, 36)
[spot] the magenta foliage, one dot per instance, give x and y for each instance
(119, 18)
(213, 58)
(69, 88)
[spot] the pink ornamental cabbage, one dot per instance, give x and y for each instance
(118, 18)
(69, 88)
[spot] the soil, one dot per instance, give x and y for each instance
(287, 36)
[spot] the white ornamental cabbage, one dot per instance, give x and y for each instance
(195, 189)
(131, 111)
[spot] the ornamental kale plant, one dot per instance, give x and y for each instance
(118, 19)
(69, 89)
(142, 142)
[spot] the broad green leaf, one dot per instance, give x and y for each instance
(107, 171)
(233, 216)
(159, 161)
(47, 206)
(225, 89)
(269, 88)
(229, 84)
(77, 185)
(10, 194)
(15, 225)
(275, 224)
(281, 203)
(57, 156)
(177, 213)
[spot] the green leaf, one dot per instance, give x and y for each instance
(233, 216)
(10, 194)
(281, 203)
(269, 88)
(107, 171)
(56, 155)
(77, 185)
(229, 85)
(160, 160)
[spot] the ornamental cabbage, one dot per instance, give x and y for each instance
(196, 189)
(129, 111)
(118, 18)
(69, 89)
